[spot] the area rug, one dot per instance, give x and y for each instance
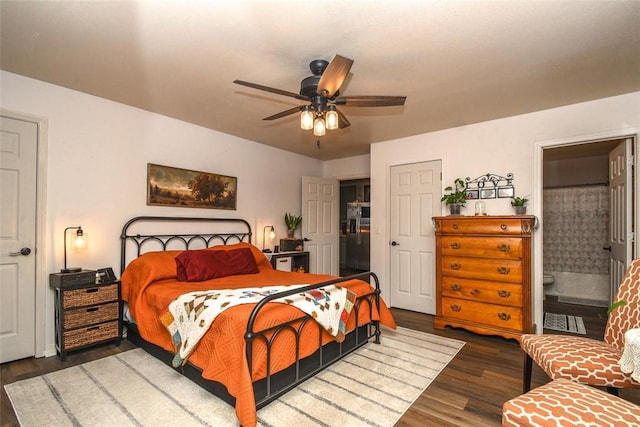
(564, 323)
(373, 386)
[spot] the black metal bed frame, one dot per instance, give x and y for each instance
(274, 384)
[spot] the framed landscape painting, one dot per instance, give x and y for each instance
(169, 186)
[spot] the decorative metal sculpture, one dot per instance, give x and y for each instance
(490, 186)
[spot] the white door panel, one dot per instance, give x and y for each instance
(620, 219)
(18, 157)
(414, 200)
(320, 226)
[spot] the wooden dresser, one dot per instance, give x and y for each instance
(483, 274)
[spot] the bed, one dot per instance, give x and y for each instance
(252, 353)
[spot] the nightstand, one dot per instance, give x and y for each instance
(86, 314)
(291, 261)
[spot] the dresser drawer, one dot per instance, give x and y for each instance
(483, 313)
(90, 296)
(482, 247)
(474, 225)
(493, 270)
(75, 318)
(480, 290)
(90, 334)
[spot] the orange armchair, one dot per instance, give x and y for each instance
(586, 360)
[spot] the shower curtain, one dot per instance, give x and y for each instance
(576, 228)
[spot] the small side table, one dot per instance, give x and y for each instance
(630, 360)
(86, 315)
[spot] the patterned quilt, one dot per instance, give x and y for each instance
(190, 315)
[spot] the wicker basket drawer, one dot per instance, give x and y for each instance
(482, 247)
(76, 318)
(494, 226)
(90, 296)
(498, 270)
(90, 335)
(481, 290)
(487, 314)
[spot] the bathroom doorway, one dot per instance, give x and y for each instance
(576, 216)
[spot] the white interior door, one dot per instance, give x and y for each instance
(18, 159)
(320, 225)
(415, 191)
(620, 215)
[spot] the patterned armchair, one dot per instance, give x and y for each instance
(586, 360)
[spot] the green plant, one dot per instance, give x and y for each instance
(519, 201)
(458, 193)
(618, 304)
(292, 221)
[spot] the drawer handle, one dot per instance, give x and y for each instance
(504, 294)
(89, 310)
(456, 287)
(474, 292)
(92, 290)
(455, 307)
(504, 270)
(504, 316)
(504, 248)
(455, 245)
(455, 226)
(503, 227)
(283, 260)
(455, 266)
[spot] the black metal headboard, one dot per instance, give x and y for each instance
(182, 233)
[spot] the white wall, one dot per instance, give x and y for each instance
(498, 146)
(348, 168)
(96, 171)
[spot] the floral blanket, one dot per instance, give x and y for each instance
(190, 315)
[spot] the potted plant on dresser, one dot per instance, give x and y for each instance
(519, 205)
(457, 196)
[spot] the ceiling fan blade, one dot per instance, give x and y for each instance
(343, 122)
(370, 101)
(285, 113)
(271, 89)
(334, 75)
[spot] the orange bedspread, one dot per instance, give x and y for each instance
(149, 284)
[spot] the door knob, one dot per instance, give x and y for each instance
(306, 239)
(23, 251)
(394, 243)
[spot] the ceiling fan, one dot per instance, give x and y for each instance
(321, 90)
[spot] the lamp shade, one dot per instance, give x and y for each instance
(319, 128)
(306, 119)
(332, 118)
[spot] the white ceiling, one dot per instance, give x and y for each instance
(458, 62)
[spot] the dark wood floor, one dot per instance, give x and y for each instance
(469, 392)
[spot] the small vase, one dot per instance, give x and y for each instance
(520, 210)
(290, 234)
(454, 208)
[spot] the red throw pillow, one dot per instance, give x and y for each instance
(199, 265)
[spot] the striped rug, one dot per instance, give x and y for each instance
(373, 386)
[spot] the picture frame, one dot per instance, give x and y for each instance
(488, 193)
(473, 194)
(177, 187)
(506, 192)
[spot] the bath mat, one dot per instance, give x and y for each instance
(564, 323)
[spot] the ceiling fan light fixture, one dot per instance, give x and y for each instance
(319, 128)
(306, 119)
(332, 118)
